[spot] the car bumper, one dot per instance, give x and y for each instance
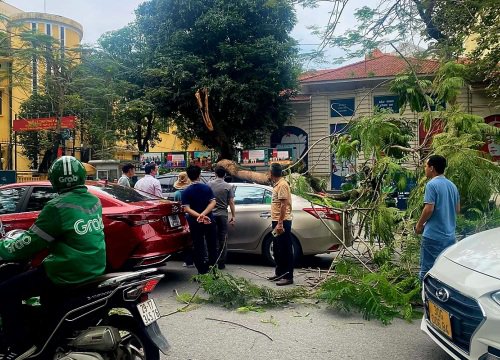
(476, 288)
(318, 239)
(157, 247)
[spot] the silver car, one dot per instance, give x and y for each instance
(252, 231)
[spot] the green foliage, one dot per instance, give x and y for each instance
(187, 298)
(381, 134)
(412, 92)
(231, 291)
(475, 220)
(383, 295)
(241, 52)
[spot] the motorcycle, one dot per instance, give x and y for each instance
(110, 317)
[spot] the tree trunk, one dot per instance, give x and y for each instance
(235, 170)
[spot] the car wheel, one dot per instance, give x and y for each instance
(268, 250)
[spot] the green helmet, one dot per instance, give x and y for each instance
(67, 173)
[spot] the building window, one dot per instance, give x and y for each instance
(34, 66)
(1, 102)
(342, 107)
(49, 29)
(62, 38)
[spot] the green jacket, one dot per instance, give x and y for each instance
(71, 227)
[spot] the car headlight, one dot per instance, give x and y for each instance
(496, 297)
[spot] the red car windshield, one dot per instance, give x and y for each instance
(125, 194)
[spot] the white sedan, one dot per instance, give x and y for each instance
(462, 298)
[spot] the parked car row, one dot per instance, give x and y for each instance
(142, 230)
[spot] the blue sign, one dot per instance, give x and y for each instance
(386, 102)
(341, 107)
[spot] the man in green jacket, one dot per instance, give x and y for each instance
(70, 227)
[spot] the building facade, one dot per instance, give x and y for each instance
(329, 99)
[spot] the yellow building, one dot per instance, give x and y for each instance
(13, 92)
(15, 89)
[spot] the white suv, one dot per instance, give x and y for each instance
(462, 298)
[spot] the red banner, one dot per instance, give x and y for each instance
(50, 123)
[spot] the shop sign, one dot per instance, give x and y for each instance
(389, 102)
(341, 107)
(48, 123)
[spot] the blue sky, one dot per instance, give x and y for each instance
(99, 16)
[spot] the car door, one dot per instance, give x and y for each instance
(253, 218)
(11, 208)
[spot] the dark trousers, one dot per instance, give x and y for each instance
(283, 253)
(21, 287)
(221, 224)
(204, 241)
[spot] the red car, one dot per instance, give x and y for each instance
(140, 230)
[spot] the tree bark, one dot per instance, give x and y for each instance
(235, 170)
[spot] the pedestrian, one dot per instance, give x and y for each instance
(149, 184)
(438, 220)
(75, 254)
(224, 197)
(180, 184)
(198, 201)
(128, 171)
(281, 216)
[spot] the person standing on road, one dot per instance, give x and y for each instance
(438, 220)
(180, 184)
(128, 171)
(224, 196)
(281, 216)
(198, 201)
(149, 184)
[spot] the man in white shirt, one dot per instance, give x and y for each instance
(149, 184)
(128, 172)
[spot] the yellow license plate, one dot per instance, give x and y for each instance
(440, 318)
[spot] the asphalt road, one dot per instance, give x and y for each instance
(299, 331)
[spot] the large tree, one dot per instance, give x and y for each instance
(237, 53)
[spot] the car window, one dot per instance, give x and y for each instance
(125, 194)
(39, 197)
(268, 197)
(167, 183)
(10, 198)
(246, 195)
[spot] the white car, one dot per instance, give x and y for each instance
(462, 298)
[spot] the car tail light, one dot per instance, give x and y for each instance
(150, 285)
(136, 220)
(324, 213)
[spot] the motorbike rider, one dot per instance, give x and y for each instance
(70, 227)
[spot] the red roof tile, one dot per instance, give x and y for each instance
(380, 65)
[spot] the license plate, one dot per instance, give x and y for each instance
(174, 220)
(440, 319)
(148, 311)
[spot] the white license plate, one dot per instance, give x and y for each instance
(148, 311)
(174, 220)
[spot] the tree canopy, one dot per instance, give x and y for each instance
(237, 54)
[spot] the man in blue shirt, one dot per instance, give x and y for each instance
(198, 201)
(439, 216)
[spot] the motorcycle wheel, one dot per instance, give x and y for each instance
(135, 344)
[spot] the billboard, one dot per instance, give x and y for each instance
(48, 123)
(174, 160)
(257, 157)
(282, 156)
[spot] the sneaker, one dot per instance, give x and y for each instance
(221, 266)
(284, 282)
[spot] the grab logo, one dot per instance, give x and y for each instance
(83, 227)
(68, 179)
(19, 243)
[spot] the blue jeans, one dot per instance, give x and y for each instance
(429, 251)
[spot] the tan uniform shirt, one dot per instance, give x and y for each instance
(281, 190)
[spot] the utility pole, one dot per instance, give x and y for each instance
(44, 6)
